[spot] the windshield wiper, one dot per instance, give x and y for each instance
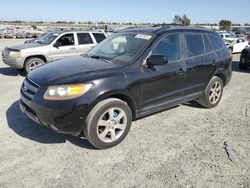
(100, 57)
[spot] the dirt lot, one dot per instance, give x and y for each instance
(186, 146)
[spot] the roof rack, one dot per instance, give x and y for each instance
(167, 25)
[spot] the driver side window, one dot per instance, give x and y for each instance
(169, 47)
(66, 40)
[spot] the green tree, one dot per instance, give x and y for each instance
(177, 19)
(225, 24)
(34, 27)
(184, 20)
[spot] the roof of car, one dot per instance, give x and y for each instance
(161, 30)
(74, 31)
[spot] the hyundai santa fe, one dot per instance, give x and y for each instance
(130, 75)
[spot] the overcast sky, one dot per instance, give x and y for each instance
(154, 11)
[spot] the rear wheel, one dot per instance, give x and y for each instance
(213, 93)
(242, 64)
(33, 63)
(108, 123)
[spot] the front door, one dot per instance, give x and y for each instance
(164, 83)
(65, 47)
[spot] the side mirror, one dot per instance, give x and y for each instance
(56, 44)
(157, 60)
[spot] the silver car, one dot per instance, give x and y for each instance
(50, 47)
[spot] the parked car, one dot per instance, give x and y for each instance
(20, 35)
(132, 74)
(228, 36)
(244, 59)
(50, 47)
(237, 45)
(8, 35)
(248, 39)
(29, 35)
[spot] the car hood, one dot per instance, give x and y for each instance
(72, 70)
(25, 46)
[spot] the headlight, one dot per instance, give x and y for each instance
(14, 53)
(64, 92)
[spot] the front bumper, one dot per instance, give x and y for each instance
(66, 117)
(14, 62)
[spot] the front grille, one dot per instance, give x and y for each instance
(29, 89)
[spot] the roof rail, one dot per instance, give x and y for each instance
(167, 25)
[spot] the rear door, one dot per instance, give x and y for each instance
(85, 42)
(66, 47)
(196, 60)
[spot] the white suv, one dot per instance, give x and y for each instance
(50, 47)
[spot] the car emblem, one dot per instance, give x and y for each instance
(25, 87)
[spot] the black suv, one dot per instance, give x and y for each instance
(131, 74)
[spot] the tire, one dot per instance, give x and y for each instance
(33, 63)
(101, 129)
(213, 93)
(242, 66)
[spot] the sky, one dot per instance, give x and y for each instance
(136, 11)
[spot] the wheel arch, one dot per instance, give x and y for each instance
(36, 56)
(119, 95)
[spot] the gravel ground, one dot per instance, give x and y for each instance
(186, 146)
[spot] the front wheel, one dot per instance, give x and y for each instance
(108, 123)
(33, 63)
(213, 93)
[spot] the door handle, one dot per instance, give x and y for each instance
(72, 48)
(180, 72)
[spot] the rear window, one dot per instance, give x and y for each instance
(84, 38)
(216, 41)
(194, 44)
(99, 37)
(208, 45)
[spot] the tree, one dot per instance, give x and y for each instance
(34, 27)
(177, 19)
(184, 20)
(225, 24)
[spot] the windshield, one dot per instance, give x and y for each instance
(48, 38)
(121, 47)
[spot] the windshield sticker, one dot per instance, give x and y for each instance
(140, 36)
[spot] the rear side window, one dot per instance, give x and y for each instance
(84, 38)
(194, 44)
(208, 45)
(169, 46)
(99, 37)
(216, 41)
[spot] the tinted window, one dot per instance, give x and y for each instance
(66, 40)
(216, 41)
(208, 46)
(99, 37)
(169, 46)
(194, 44)
(84, 38)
